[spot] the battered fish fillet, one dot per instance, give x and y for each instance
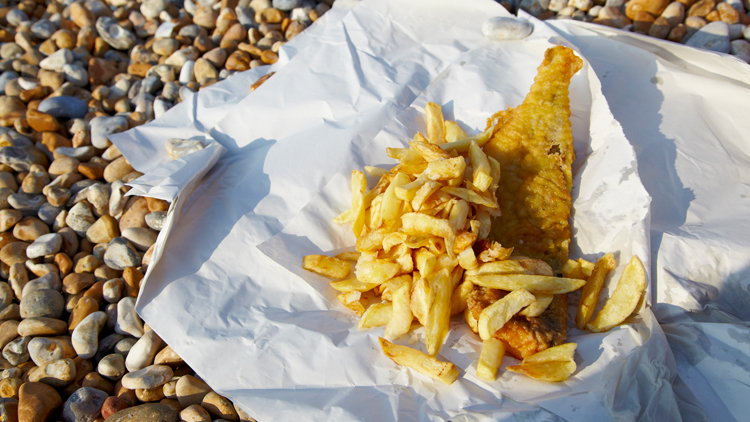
(534, 145)
(525, 336)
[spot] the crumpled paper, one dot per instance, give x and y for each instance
(211, 292)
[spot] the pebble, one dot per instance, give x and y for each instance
(37, 401)
(45, 349)
(194, 413)
(101, 127)
(57, 60)
(142, 238)
(219, 406)
(45, 303)
(47, 244)
(143, 352)
(115, 35)
(155, 220)
(177, 148)
(191, 390)
(47, 281)
(121, 254)
(84, 405)
(147, 378)
(741, 49)
(155, 412)
(41, 326)
(112, 367)
(714, 36)
(80, 218)
(128, 321)
(58, 373)
(16, 351)
(86, 334)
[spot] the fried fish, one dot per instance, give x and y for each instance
(534, 145)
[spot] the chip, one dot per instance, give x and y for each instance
(624, 299)
(422, 363)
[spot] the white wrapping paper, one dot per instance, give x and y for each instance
(282, 348)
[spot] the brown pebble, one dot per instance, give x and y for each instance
(701, 8)
(94, 380)
(101, 71)
(8, 331)
(41, 122)
(29, 229)
(238, 61)
(134, 213)
(269, 57)
(14, 252)
(85, 307)
(77, 282)
(132, 278)
(96, 291)
(54, 140)
(9, 387)
(149, 395)
(37, 401)
(113, 405)
(91, 171)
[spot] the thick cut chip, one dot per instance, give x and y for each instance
(435, 123)
(439, 312)
(553, 364)
(420, 224)
(390, 208)
(479, 198)
(466, 259)
(420, 299)
(499, 267)
(453, 132)
(423, 193)
(352, 301)
(430, 152)
(446, 169)
(348, 256)
(376, 271)
(578, 269)
(490, 359)
(460, 297)
(496, 315)
(624, 299)
(533, 143)
(355, 215)
(422, 363)
(480, 166)
(401, 318)
(533, 283)
(352, 284)
(539, 306)
(592, 289)
(547, 371)
(462, 145)
(372, 241)
(327, 266)
(377, 315)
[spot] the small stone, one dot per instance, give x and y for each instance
(16, 351)
(43, 350)
(113, 405)
(611, 16)
(77, 282)
(112, 367)
(147, 378)
(128, 321)
(123, 346)
(47, 244)
(121, 254)
(714, 36)
(206, 17)
(14, 252)
(114, 34)
(155, 220)
(677, 33)
(219, 407)
(76, 75)
(153, 412)
(86, 306)
(180, 147)
(29, 229)
(9, 218)
(45, 303)
(741, 49)
(80, 218)
(117, 169)
(701, 8)
(727, 13)
(37, 401)
(103, 230)
(47, 281)
(169, 357)
(134, 213)
(195, 413)
(142, 238)
(57, 373)
(41, 327)
(57, 60)
(101, 127)
(191, 390)
(41, 122)
(84, 405)
(674, 13)
(86, 334)
(143, 352)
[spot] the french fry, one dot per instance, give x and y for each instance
(390, 208)
(352, 301)
(401, 318)
(496, 315)
(376, 271)
(435, 123)
(351, 284)
(419, 302)
(535, 266)
(420, 224)
(539, 306)
(460, 296)
(532, 283)
(490, 358)
(422, 363)
(348, 256)
(327, 266)
(430, 152)
(377, 315)
(592, 288)
(499, 267)
(372, 241)
(467, 260)
(581, 269)
(453, 132)
(481, 171)
(472, 196)
(624, 299)
(446, 169)
(356, 215)
(425, 191)
(439, 313)
(407, 191)
(586, 267)
(554, 364)
(462, 145)
(547, 371)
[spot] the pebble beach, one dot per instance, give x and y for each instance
(74, 248)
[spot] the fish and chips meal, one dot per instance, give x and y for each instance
(478, 226)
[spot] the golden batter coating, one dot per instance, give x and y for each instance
(534, 145)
